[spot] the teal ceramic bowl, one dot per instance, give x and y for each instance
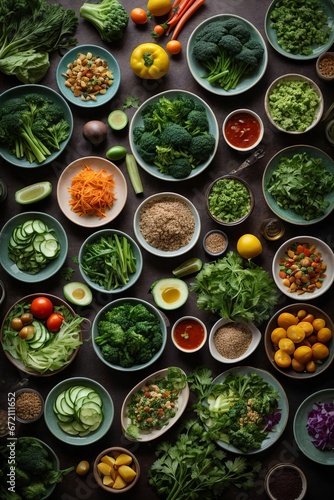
(302, 437)
(21, 91)
(52, 422)
(248, 81)
(52, 266)
(133, 301)
(271, 34)
(70, 57)
(289, 215)
(137, 121)
(110, 233)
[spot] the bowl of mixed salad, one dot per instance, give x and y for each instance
(303, 268)
(41, 334)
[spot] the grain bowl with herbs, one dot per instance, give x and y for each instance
(167, 224)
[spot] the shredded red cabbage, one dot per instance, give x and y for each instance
(320, 425)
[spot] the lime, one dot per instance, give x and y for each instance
(190, 266)
(116, 153)
(118, 119)
(33, 193)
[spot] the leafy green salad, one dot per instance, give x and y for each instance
(241, 410)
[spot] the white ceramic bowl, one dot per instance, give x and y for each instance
(247, 129)
(70, 57)
(255, 340)
(195, 339)
(110, 233)
(167, 234)
(137, 121)
(97, 164)
(287, 79)
(328, 259)
(52, 266)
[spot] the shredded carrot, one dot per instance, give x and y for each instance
(92, 192)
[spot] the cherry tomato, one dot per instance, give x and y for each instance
(139, 16)
(82, 468)
(54, 321)
(174, 47)
(158, 31)
(41, 307)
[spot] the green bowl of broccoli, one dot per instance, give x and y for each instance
(36, 125)
(129, 334)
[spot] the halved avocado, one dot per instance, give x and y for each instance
(170, 293)
(78, 293)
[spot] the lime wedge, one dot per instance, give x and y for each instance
(117, 119)
(190, 266)
(33, 193)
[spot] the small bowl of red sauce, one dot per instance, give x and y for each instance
(189, 334)
(243, 130)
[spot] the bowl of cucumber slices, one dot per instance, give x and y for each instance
(78, 411)
(33, 245)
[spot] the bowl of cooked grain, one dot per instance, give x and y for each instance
(29, 405)
(233, 341)
(167, 224)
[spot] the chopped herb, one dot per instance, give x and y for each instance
(131, 102)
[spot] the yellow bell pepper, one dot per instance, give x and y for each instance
(149, 61)
(159, 7)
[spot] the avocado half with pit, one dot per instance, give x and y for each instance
(170, 293)
(78, 293)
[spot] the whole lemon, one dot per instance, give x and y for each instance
(249, 246)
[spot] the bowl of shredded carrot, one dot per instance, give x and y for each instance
(91, 191)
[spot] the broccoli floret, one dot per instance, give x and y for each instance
(120, 315)
(21, 477)
(180, 169)
(241, 32)
(136, 342)
(139, 313)
(137, 133)
(110, 333)
(231, 44)
(111, 354)
(197, 122)
(206, 53)
(212, 32)
(175, 136)
(109, 17)
(256, 48)
(34, 491)
(33, 457)
(231, 23)
(52, 135)
(202, 147)
(147, 147)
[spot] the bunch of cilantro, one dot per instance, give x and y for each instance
(300, 183)
(236, 289)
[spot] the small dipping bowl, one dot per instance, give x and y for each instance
(29, 405)
(189, 334)
(243, 130)
(282, 478)
(325, 66)
(215, 243)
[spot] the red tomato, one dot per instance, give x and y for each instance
(139, 16)
(41, 307)
(54, 321)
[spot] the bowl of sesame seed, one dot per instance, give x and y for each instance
(167, 224)
(325, 66)
(233, 341)
(29, 405)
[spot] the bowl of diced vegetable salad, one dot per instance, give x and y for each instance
(294, 104)
(50, 140)
(229, 200)
(78, 411)
(41, 334)
(34, 246)
(129, 334)
(110, 261)
(298, 341)
(303, 268)
(298, 184)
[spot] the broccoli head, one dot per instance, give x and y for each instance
(176, 136)
(140, 313)
(137, 133)
(109, 17)
(202, 147)
(206, 52)
(241, 32)
(197, 122)
(180, 169)
(256, 48)
(110, 333)
(212, 32)
(230, 44)
(147, 146)
(111, 354)
(32, 457)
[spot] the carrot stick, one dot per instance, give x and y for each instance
(185, 4)
(186, 16)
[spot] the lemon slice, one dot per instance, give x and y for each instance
(33, 193)
(117, 119)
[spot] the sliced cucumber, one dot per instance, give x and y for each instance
(33, 193)
(32, 245)
(78, 410)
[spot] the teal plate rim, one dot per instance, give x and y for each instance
(290, 215)
(317, 50)
(302, 437)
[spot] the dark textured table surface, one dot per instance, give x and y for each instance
(86, 363)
